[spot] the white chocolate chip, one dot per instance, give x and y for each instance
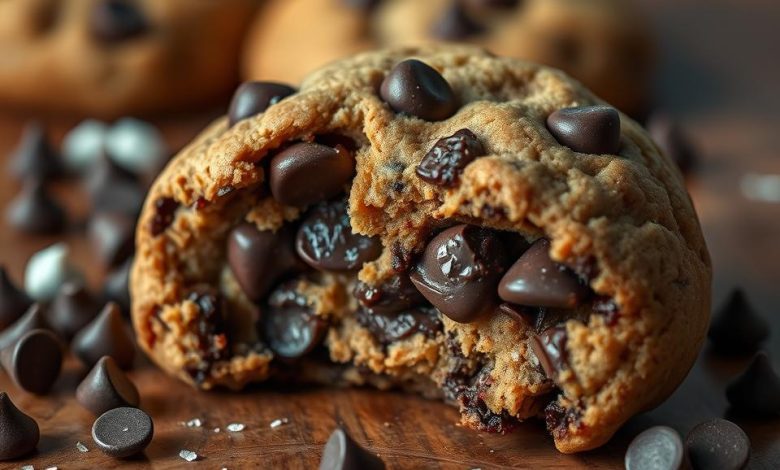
(84, 144)
(136, 146)
(47, 270)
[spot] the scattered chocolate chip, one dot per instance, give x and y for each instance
(72, 309)
(34, 210)
(325, 240)
(550, 349)
(757, 390)
(343, 453)
(164, 213)
(123, 432)
(737, 329)
(112, 237)
(34, 157)
(290, 327)
(34, 361)
(252, 98)
(305, 173)
(106, 335)
(656, 448)
(116, 287)
(538, 281)
(587, 129)
(19, 433)
(33, 319)
(718, 445)
(391, 296)
(455, 23)
(669, 136)
(112, 21)
(390, 327)
(112, 188)
(459, 271)
(106, 387)
(413, 87)
(444, 163)
(13, 301)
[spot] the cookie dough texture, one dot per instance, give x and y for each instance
(51, 61)
(625, 219)
(606, 44)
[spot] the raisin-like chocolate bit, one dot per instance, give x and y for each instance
(35, 211)
(252, 98)
(401, 259)
(460, 270)
(444, 163)
(536, 280)
(550, 349)
(455, 23)
(305, 173)
(415, 88)
(117, 20)
(343, 453)
(737, 329)
(390, 327)
(164, 213)
(19, 433)
(472, 404)
(212, 326)
(391, 296)
(659, 447)
(259, 259)
(719, 445)
(325, 240)
(558, 419)
(13, 301)
(289, 325)
(757, 390)
(587, 129)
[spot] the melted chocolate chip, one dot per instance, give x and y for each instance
(19, 433)
(718, 445)
(415, 88)
(164, 213)
(588, 129)
(106, 335)
(106, 387)
(252, 98)
(391, 296)
(34, 157)
(343, 453)
(550, 350)
(13, 301)
(460, 270)
(117, 20)
(455, 23)
(306, 173)
(444, 163)
(757, 390)
(390, 327)
(290, 327)
(34, 210)
(736, 328)
(34, 361)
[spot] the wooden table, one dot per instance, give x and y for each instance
(720, 74)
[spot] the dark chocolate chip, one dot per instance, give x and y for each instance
(34, 157)
(538, 281)
(455, 24)
(737, 329)
(112, 188)
(13, 301)
(117, 286)
(34, 210)
(252, 98)
(112, 237)
(718, 445)
(123, 432)
(550, 349)
(33, 319)
(444, 163)
(656, 448)
(391, 296)
(587, 129)
(117, 20)
(669, 136)
(415, 88)
(757, 390)
(34, 361)
(72, 309)
(106, 387)
(106, 335)
(343, 453)
(290, 327)
(390, 327)
(325, 240)
(305, 173)
(19, 433)
(164, 213)
(459, 271)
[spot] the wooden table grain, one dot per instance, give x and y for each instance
(719, 74)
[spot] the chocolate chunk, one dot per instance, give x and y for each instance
(71, 309)
(444, 163)
(112, 188)
(112, 21)
(123, 432)
(737, 329)
(13, 301)
(290, 327)
(459, 271)
(391, 296)
(259, 259)
(671, 139)
(112, 237)
(657, 448)
(455, 23)
(117, 286)
(33, 319)
(34, 210)
(415, 88)
(718, 445)
(252, 98)
(164, 213)
(34, 157)
(34, 361)
(587, 129)
(390, 327)
(550, 349)
(325, 240)
(757, 390)
(538, 281)
(19, 433)
(343, 453)
(306, 173)
(106, 387)
(106, 335)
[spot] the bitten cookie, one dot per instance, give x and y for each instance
(108, 58)
(474, 228)
(603, 43)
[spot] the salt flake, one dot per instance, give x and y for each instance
(235, 427)
(188, 455)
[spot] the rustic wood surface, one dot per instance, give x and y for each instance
(719, 74)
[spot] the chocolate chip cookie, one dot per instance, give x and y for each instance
(473, 228)
(107, 58)
(604, 43)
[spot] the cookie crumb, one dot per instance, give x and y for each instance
(188, 455)
(235, 427)
(279, 422)
(81, 447)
